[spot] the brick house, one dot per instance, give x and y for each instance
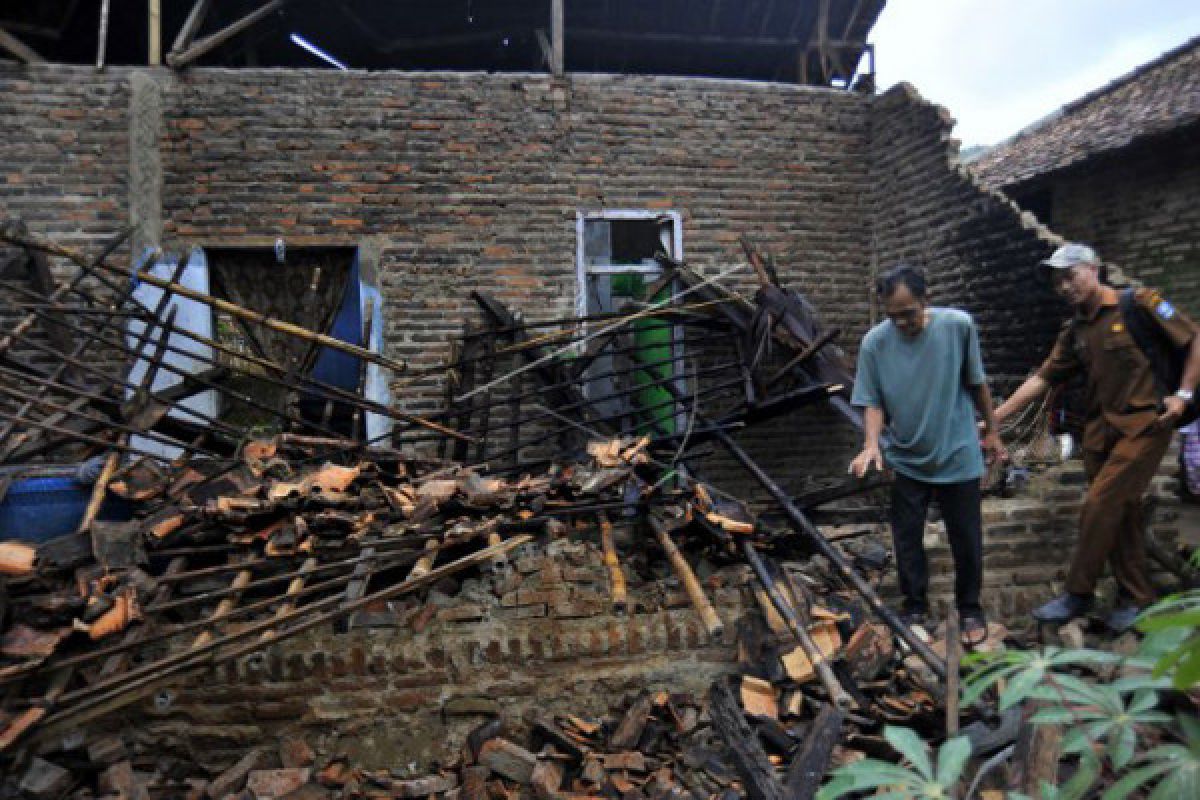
(1119, 168)
(482, 170)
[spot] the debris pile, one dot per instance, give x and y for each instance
(236, 540)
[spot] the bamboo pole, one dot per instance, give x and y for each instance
(129, 687)
(691, 584)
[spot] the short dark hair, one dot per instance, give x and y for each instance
(902, 275)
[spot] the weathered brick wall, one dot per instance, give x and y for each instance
(980, 251)
(538, 637)
(472, 181)
(1138, 208)
(64, 162)
(64, 151)
(461, 181)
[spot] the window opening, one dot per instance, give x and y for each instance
(618, 269)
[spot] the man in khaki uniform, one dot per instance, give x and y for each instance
(1128, 426)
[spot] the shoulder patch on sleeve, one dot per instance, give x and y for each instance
(1164, 309)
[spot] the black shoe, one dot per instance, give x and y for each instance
(913, 615)
(1063, 608)
(1121, 619)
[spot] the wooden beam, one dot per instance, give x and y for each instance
(544, 46)
(650, 37)
(154, 56)
(19, 49)
(102, 39)
(191, 26)
(217, 39)
(556, 37)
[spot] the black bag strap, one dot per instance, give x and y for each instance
(1148, 339)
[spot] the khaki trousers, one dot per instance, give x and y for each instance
(1110, 524)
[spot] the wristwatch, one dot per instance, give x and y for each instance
(1185, 394)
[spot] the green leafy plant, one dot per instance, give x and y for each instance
(919, 780)
(1176, 619)
(1023, 671)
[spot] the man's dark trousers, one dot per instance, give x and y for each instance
(959, 503)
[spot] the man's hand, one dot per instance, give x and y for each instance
(993, 447)
(863, 461)
(1173, 408)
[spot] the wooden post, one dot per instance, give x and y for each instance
(191, 25)
(155, 34)
(220, 37)
(556, 37)
(19, 49)
(102, 39)
(953, 656)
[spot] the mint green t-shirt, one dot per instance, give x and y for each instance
(923, 383)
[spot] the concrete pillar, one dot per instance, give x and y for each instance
(145, 161)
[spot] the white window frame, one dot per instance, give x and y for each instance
(581, 267)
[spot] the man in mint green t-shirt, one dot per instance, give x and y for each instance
(920, 375)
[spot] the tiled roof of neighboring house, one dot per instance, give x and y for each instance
(1157, 97)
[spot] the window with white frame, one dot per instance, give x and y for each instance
(618, 271)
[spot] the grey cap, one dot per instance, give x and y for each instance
(1069, 255)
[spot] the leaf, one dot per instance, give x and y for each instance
(1122, 788)
(869, 773)
(1082, 780)
(1190, 725)
(1179, 783)
(1122, 742)
(952, 756)
(909, 745)
(1054, 716)
(1183, 619)
(1019, 688)
(1187, 673)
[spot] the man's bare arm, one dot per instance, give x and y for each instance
(1034, 387)
(981, 396)
(871, 454)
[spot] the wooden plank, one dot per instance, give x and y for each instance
(808, 768)
(749, 758)
(953, 656)
(19, 49)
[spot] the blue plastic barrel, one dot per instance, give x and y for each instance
(37, 509)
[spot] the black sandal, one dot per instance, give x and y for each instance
(974, 631)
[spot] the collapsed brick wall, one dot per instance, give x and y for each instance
(1137, 207)
(407, 684)
(540, 637)
(980, 250)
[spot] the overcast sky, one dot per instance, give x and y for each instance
(999, 65)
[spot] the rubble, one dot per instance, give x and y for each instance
(237, 540)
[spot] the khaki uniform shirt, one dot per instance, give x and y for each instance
(1121, 391)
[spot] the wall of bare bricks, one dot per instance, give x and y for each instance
(64, 165)
(1138, 208)
(980, 250)
(460, 181)
(408, 682)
